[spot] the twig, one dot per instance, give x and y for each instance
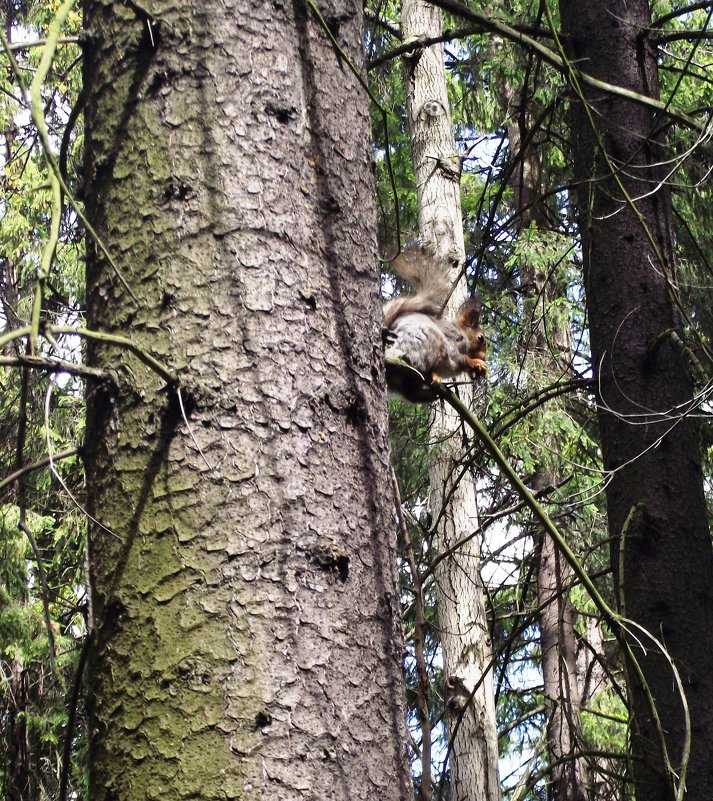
(190, 430)
(123, 342)
(485, 23)
(419, 637)
(618, 625)
(53, 366)
(24, 528)
(29, 468)
(22, 522)
(71, 716)
(42, 42)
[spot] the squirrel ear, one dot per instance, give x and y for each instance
(470, 312)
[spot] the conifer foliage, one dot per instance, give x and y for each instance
(139, 667)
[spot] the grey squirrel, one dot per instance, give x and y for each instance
(417, 333)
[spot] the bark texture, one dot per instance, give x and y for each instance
(661, 549)
(246, 642)
(464, 632)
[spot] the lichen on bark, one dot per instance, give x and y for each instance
(246, 642)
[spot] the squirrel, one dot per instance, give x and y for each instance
(416, 332)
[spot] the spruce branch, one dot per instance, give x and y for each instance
(57, 182)
(483, 23)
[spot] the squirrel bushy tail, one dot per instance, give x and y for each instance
(430, 281)
(422, 345)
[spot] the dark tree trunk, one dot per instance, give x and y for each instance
(661, 549)
(245, 610)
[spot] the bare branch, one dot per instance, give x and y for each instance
(40, 463)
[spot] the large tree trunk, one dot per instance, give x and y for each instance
(661, 550)
(464, 633)
(245, 632)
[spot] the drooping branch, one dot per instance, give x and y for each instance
(57, 182)
(483, 23)
(419, 638)
(85, 333)
(39, 464)
(680, 12)
(53, 366)
(621, 628)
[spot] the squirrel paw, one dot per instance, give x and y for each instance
(477, 368)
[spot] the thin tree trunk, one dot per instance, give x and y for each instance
(463, 624)
(546, 348)
(242, 552)
(570, 779)
(661, 549)
(17, 768)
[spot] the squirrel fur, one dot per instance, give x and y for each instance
(417, 333)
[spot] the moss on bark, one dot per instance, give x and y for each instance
(228, 171)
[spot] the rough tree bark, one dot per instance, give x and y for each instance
(661, 549)
(464, 632)
(245, 633)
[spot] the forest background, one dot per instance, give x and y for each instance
(555, 579)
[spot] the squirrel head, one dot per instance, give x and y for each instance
(468, 321)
